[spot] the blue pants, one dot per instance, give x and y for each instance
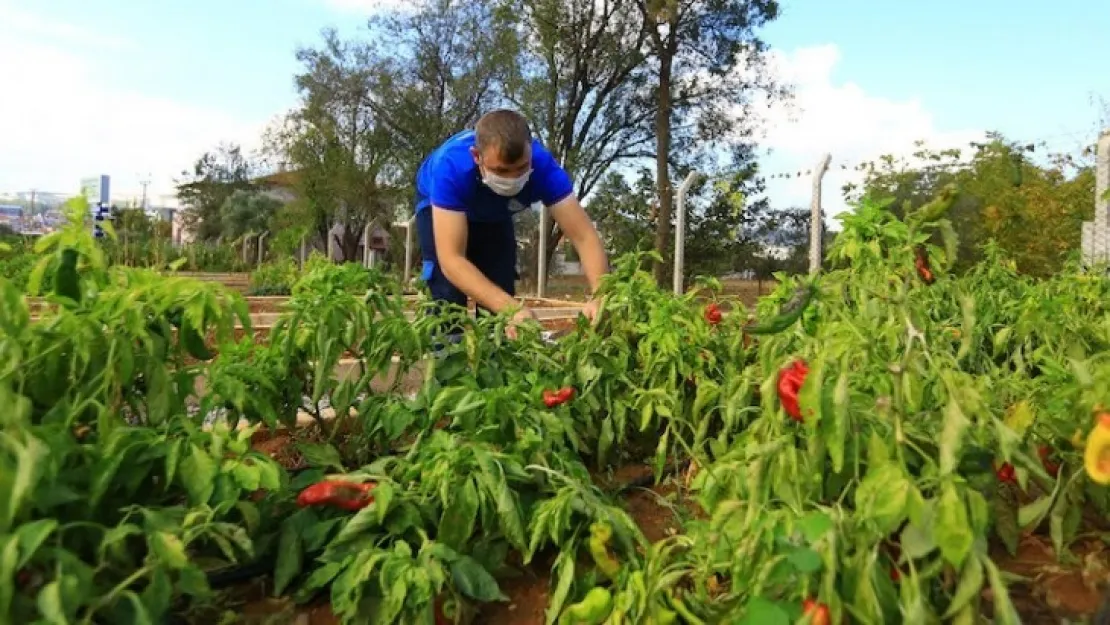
(491, 247)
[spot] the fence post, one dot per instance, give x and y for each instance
(304, 250)
(817, 226)
(261, 238)
(366, 234)
(1101, 226)
(408, 249)
(541, 269)
(680, 231)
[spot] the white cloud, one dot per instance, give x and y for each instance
(33, 25)
(842, 119)
(59, 123)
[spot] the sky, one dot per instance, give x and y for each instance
(138, 89)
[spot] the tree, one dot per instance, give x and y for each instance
(347, 171)
(707, 66)
(623, 212)
(584, 85)
(245, 212)
(436, 70)
(1034, 210)
(215, 176)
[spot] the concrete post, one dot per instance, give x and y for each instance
(816, 228)
(680, 231)
(541, 270)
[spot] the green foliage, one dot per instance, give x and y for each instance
(274, 278)
(247, 212)
(1034, 210)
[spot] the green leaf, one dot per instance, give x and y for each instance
(290, 552)
(457, 523)
(31, 536)
(814, 526)
(805, 560)
(837, 430)
(1005, 524)
(158, 593)
(882, 496)
(321, 455)
(564, 578)
(198, 475)
(917, 541)
(1004, 612)
(971, 582)
(1030, 515)
(139, 615)
(269, 474)
(50, 604)
(474, 581)
(363, 521)
(951, 437)
(169, 549)
(29, 463)
(760, 611)
(952, 530)
(192, 581)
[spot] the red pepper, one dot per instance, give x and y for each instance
(921, 263)
(552, 399)
(790, 383)
(339, 493)
(1050, 467)
(1005, 473)
(895, 574)
(713, 314)
(817, 613)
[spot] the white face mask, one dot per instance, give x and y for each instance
(507, 187)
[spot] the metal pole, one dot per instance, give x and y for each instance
(816, 227)
(304, 251)
(366, 233)
(261, 238)
(680, 231)
(1101, 224)
(408, 249)
(541, 270)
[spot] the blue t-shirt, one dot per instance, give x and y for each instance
(449, 178)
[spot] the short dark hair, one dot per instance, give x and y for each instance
(506, 131)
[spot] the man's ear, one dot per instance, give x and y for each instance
(474, 154)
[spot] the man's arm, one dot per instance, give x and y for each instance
(450, 229)
(576, 225)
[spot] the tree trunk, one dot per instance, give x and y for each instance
(662, 168)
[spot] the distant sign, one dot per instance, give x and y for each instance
(97, 189)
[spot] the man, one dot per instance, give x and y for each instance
(467, 192)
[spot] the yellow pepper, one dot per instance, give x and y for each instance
(1096, 458)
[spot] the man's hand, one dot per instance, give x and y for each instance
(591, 309)
(522, 317)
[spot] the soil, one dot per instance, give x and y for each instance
(1051, 591)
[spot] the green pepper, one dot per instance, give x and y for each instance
(592, 610)
(938, 206)
(788, 314)
(67, 282)
(684, 611)
(661, 616)
(600, 535)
